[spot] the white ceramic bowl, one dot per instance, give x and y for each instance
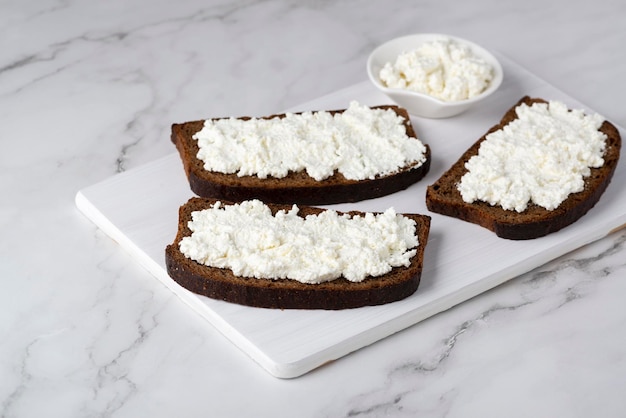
(419, 104)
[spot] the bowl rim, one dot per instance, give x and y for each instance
(421, 38)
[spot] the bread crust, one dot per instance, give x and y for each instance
(222, 284)
(444, 198)
(296, 187)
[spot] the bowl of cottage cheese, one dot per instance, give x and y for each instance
(434, 75)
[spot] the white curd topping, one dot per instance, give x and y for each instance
(361, 143)
(443, 68)
(541, 157)
(247, 239)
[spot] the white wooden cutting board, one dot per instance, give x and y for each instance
(139, 210)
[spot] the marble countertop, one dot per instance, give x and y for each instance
(89, 89)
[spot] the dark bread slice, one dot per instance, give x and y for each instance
(296, 187)
(222, 284)
(444, 198)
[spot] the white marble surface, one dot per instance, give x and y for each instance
(89, 89)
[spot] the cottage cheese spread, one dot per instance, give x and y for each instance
(361, 143)
(250, 241)
(541, 157)
(443, 68)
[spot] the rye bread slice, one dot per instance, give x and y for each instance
(444, 198)
(218, 283)
(296, 187)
